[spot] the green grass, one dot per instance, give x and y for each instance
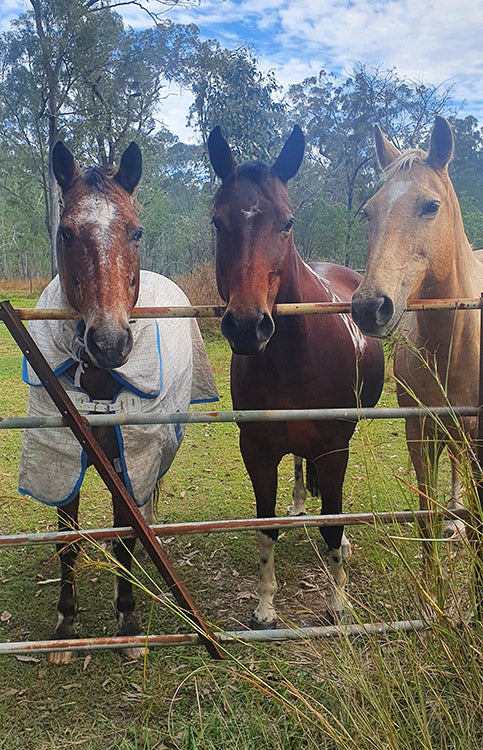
(402, 691)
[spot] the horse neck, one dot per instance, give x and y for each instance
(441, 329)
(466, 272)
(298, 282)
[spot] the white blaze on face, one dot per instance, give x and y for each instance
(253, 211)
(98, 213)
(395, 190)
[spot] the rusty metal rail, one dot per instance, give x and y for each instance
(234, 524)
(255, 415)
(217, 311)
(222, 637)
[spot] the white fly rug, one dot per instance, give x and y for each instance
(166, 371)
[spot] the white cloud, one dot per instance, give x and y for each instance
(437, 42)
(173, 111)
(10, 9)
(422, 39)
(434, 41)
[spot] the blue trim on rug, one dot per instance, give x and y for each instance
(127, 480)
(129, 387)
(60, 369)
(71, 496)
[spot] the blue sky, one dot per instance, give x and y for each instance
(438, 42)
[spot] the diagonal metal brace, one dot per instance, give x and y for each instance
(80, 429)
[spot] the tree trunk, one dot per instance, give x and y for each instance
(53, 219)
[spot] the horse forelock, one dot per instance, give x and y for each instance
(404, 161)
(260, 178)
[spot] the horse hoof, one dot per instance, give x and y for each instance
(133, 654)
(60, 657)
(257, 625)
(342, 617)
(454, 530)
(295, 513)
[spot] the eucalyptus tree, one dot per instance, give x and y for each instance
(466, 171)
(339, 117)
(230, 90)
(61, 53)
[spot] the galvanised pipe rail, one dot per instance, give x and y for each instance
(236, 524)
(254, 415)
(193, 639)
(217, 311)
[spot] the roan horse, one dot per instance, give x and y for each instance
(296, 362)
(418, 249)
(98, 257)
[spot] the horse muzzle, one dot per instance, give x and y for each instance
(374, 314)
(248, 334)
(109, 347)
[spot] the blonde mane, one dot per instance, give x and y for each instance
(404, 161)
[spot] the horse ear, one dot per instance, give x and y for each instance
(130, 168)
(442, 144)
(291, 155)
(220, 154)
(386, 152)
(63, 165)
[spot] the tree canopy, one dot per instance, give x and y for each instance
(71, 70)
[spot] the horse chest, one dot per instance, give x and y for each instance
(292, 381)
(441, 367)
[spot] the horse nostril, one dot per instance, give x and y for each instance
(384, 310)
(247, 334)
(229, 325)
(109, 348)
(265, 327)
(372, 313)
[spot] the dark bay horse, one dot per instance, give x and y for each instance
(417, 248)
(291, 362)
(107, 363)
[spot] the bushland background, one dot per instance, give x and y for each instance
(71, 70)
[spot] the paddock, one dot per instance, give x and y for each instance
(364, 519)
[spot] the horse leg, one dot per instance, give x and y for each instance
(263, 474)
(123, 591)
(454, 528)
(67, 516)
(299, 494)
(425, 449)
(331, 468)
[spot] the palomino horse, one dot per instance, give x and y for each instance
(418, 249)
(106, 363)
(296, 362)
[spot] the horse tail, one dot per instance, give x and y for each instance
(311, 482)
(150, 509)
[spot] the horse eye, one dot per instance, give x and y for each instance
(216, 223)
(288, 226)
(66, 234)
(431, 208)
(136, 235)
